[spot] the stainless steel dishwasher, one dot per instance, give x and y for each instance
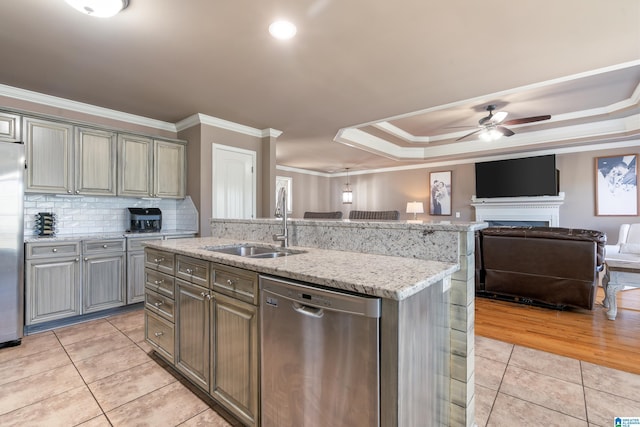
(320, 356)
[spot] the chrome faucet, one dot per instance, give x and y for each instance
(281, 212)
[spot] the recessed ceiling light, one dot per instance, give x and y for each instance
(282, 30)
(99, 8)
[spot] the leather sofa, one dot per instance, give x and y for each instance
(549, 266)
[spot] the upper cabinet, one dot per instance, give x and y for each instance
(61, 164)
(151, 168)
(95, 162)
(49, 152)
(9, 127)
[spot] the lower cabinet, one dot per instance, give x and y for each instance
(52, 289)
(103, 274)
(234, 373)
(216, 335)
(192, 335)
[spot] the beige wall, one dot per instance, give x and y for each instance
(392, 190)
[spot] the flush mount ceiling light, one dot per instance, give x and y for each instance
(99, 8)
(282, 30)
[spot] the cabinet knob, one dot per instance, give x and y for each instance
(202, 294)
(189, 271)
(69, 191)
(105, 246)
(77, 259)
(158, 304)
(86, 259)
(54, 250)
(77, 191)
(158, 282)
(209, 297)
(229, 282)
(159, 334)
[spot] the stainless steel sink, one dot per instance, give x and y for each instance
(253, 251)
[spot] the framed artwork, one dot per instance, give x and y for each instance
(440, 193)
(616, 185)
(287, 183)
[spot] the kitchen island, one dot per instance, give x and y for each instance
(414, 328)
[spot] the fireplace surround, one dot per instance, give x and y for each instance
(536, 211)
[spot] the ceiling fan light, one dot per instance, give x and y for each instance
(99, 8)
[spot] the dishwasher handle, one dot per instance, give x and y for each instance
(308, 310)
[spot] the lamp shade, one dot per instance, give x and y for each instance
(415, 207)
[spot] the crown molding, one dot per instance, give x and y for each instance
(203, 119)
(81, 107)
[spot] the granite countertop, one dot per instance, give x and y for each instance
(106, 235)
(388, 277)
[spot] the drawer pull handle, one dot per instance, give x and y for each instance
(158, 260)
(202, 294)
(159, 334)
(158, 304)
(209, 297)
(189, 271)
(158, 282)
(229, 282)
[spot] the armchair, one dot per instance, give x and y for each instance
(628, 246)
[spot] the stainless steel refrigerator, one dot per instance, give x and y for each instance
(12, 164)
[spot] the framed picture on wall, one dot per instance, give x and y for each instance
(440, 193)
(287, 183)
(616, 185)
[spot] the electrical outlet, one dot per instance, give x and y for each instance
(457, 214)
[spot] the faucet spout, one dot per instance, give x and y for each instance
(281, 212)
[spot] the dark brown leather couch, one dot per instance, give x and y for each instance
(549, 266)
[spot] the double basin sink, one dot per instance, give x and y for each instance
(253, 251)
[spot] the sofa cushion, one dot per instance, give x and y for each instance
(630, 248)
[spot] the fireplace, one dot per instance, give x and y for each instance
(509, 211)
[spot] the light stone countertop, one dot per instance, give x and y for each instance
(378, 275)
(104, 235)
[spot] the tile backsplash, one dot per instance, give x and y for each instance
(82, 215)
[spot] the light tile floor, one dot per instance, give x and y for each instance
(102, 373)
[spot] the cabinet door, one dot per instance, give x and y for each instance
(234, 379)
(95, 162)
(192, 334)
(9, 127)
(103, 282)
(134, 166)
(52, 289)
(49, 151)
(169, 169)
(135, 277)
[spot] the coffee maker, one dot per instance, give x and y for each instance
(145, 220)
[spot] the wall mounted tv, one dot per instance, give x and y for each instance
(529, 176)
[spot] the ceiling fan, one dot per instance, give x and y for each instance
(493, 126)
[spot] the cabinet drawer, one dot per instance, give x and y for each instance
(159, 260)
(159, 304)
(159, 333)
(161, 283)
(193, 270)
(49, 250)
(135, 244)
(237, 283)
(101, 246)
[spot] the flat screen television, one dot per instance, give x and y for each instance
(529, 176)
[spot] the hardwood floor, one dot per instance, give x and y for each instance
(579, 334)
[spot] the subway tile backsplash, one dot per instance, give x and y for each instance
(82, 215)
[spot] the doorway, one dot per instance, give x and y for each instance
(234, 182)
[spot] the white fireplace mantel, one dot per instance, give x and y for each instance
(520, 209)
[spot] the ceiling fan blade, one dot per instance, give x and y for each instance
(499, 117)
(504, 131)
(526, 120)
(469, 134)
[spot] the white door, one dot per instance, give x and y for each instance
(234, 182)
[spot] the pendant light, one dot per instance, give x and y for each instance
(99, 8)
(347, 194)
